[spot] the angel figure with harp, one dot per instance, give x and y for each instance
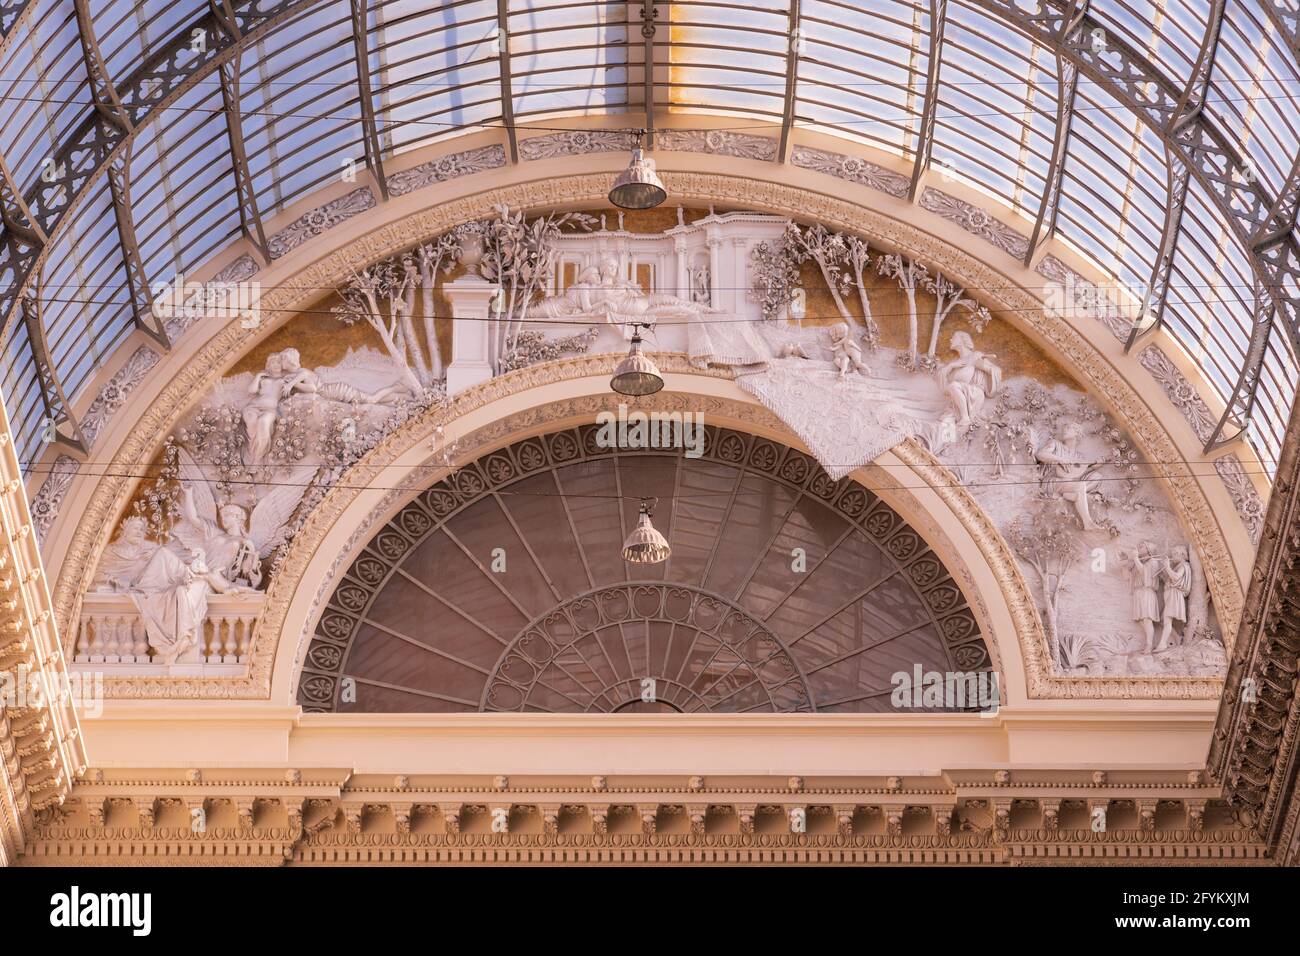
(235, 541)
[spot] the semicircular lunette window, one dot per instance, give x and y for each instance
(503, 588)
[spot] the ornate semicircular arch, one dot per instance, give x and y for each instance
(502, 588)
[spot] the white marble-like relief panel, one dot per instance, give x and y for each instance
(1118, 588)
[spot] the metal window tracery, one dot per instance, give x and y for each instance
(422, 620)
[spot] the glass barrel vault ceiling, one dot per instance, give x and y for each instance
(861, 74)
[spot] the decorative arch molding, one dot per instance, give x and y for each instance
(1077, 348)
(768, 671)
(946, 219)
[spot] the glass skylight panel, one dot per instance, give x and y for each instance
(302, 115)
(22, 396)
(93, 241)
(568, 57)
(1167, 32)
(730, 57)
(1113, 183)
(1277, 389)
(982, 116)
(117, 31)
(1255, 94)
(198, 154)
(45, 96)
(22, 141)
(1211, 293)
(440, 72)
(83, 285)
(858, 82)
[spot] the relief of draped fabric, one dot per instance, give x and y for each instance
(173, 602)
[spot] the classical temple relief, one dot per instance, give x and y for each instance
(856, 350)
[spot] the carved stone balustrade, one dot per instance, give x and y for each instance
(112, 636)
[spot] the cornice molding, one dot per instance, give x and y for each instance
(992, 817)
(40, 741)
(1255, 751)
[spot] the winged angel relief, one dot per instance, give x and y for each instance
(209, 549)
(234, 541)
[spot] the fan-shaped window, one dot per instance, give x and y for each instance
(503, 588)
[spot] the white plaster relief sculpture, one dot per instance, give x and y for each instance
(168, 589)
(1067, 473)
(848, 410)
(846, 354)
(231, 488)
(451, 166)
(975, 221)
(234, 540)
(196, 303)
(116, 391)
(45, 505)
(1062, 483)
(318, 220)
(261, 449)
(1250, 506)
(852, 169)
(601, 293)
(1081, 297)
(969, 379)
(1073, 295)
(578, 191)
(47, 501)
(717, 141)
(574, 143)
(1180, 391)
(1094, 534)
(582, 142)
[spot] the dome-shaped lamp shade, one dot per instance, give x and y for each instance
(638, 186)
(645, 545)
(636, 374)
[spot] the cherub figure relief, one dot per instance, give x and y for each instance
(846, 353)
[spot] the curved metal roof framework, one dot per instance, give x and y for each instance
(1159, 138)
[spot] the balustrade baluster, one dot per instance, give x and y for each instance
(83, 640)
(245, 636)
(227, 625)
(212, 632)
(97, 642)
(139, 641)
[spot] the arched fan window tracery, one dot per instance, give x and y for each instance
(501, 588)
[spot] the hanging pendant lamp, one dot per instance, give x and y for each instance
(638, 186)
(645, 545)
(637, 374)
